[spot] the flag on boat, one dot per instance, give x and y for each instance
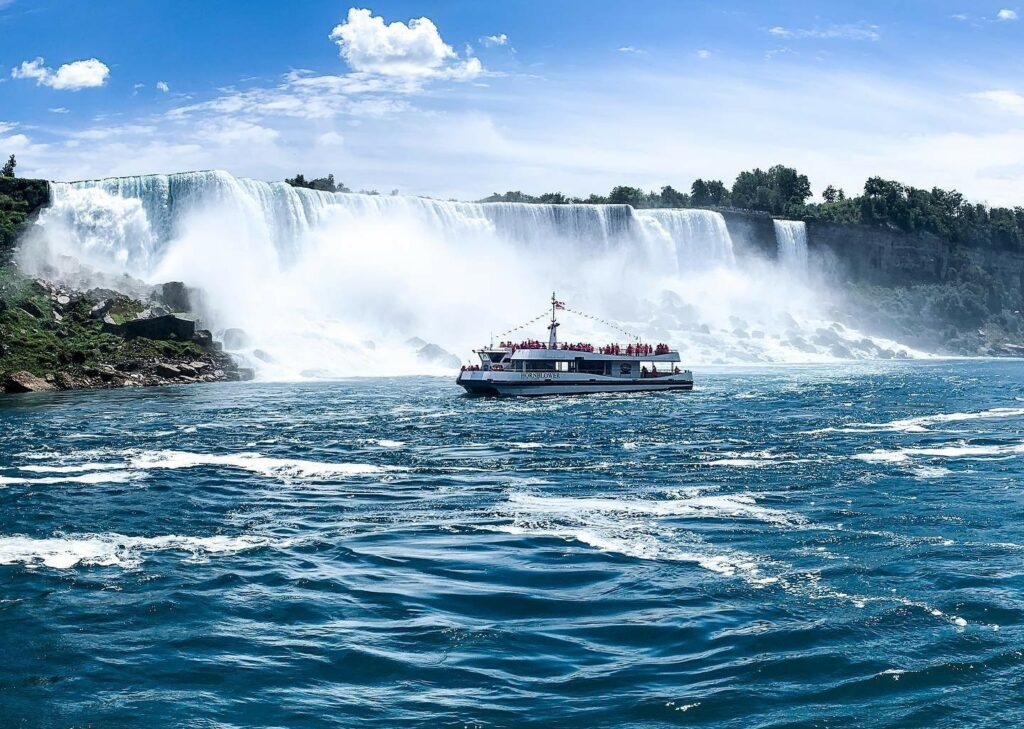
(559, 304)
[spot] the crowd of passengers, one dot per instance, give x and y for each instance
(630, 350)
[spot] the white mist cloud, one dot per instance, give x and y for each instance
(416, 50)
(703, 54)
(1007, 15)
(859, 32)
(72, 76)
(162, 86)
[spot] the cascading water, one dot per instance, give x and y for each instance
(335, 283)
(791, 238)
(698, 238)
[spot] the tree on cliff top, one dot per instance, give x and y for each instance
(779, 191)
(325, 184)
(8, 169)
(708, 192)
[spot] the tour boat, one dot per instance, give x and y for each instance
(531, 368)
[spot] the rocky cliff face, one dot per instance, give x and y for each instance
(879, 256)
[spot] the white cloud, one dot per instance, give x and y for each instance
(1006, 14)
(1006, 100)
(629, 49)
(58, 110)
(162, 86)
(236, 132)
(495, 40)
(72, 76)
(703, 54)
(859, 32)
(416, 50)
(330, 139)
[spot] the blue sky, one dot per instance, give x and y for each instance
(484, 96)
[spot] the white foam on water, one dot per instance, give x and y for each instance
(646, 547)
(962, 450)
(67, 551)
(921, 424)
(74, 468)
(727, 506)
(384, 443)
(255, 463)
(96, 477)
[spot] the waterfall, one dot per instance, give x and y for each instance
(698, 239)
(337, 282)
(791, 238)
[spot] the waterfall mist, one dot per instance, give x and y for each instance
(335, 283)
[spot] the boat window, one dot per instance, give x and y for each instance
(540, 366)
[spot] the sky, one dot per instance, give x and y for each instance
(462, 99)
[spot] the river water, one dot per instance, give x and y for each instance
(783, 547)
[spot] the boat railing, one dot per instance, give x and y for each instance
(633, 349)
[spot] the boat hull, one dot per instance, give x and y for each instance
(502, 387)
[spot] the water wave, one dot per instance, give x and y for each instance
(67, 551)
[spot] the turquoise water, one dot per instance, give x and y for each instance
(784, 547)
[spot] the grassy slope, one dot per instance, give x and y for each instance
(41, 344)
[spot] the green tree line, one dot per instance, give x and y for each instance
(784, 192)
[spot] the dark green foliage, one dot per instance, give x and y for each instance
(779, 191)
(19, 200)
(710, 193)
(623, 195)
(8, 168)
(324, 184)
(833, 195)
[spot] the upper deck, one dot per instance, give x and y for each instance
(538, 351)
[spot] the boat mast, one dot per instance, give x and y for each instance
(553, 326)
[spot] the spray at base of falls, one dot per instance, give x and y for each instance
(336, 283)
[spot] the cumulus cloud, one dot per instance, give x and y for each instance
(330, 139)
(859, 32)
(72, 76)
(703, 54)
(1006, 14)
(162, 86)
(414, 50)
(1006, 100)
(629, 49)
(495, 40)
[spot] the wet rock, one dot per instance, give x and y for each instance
(30, 307)
(235, 339)
(203, 338)
(99, 311)
(170, 326)
(57, 317)
(263, 356)
(167, 370)
(27, 382)
(63, 299)
(175, 295)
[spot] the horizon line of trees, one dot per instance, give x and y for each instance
(782, 191)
